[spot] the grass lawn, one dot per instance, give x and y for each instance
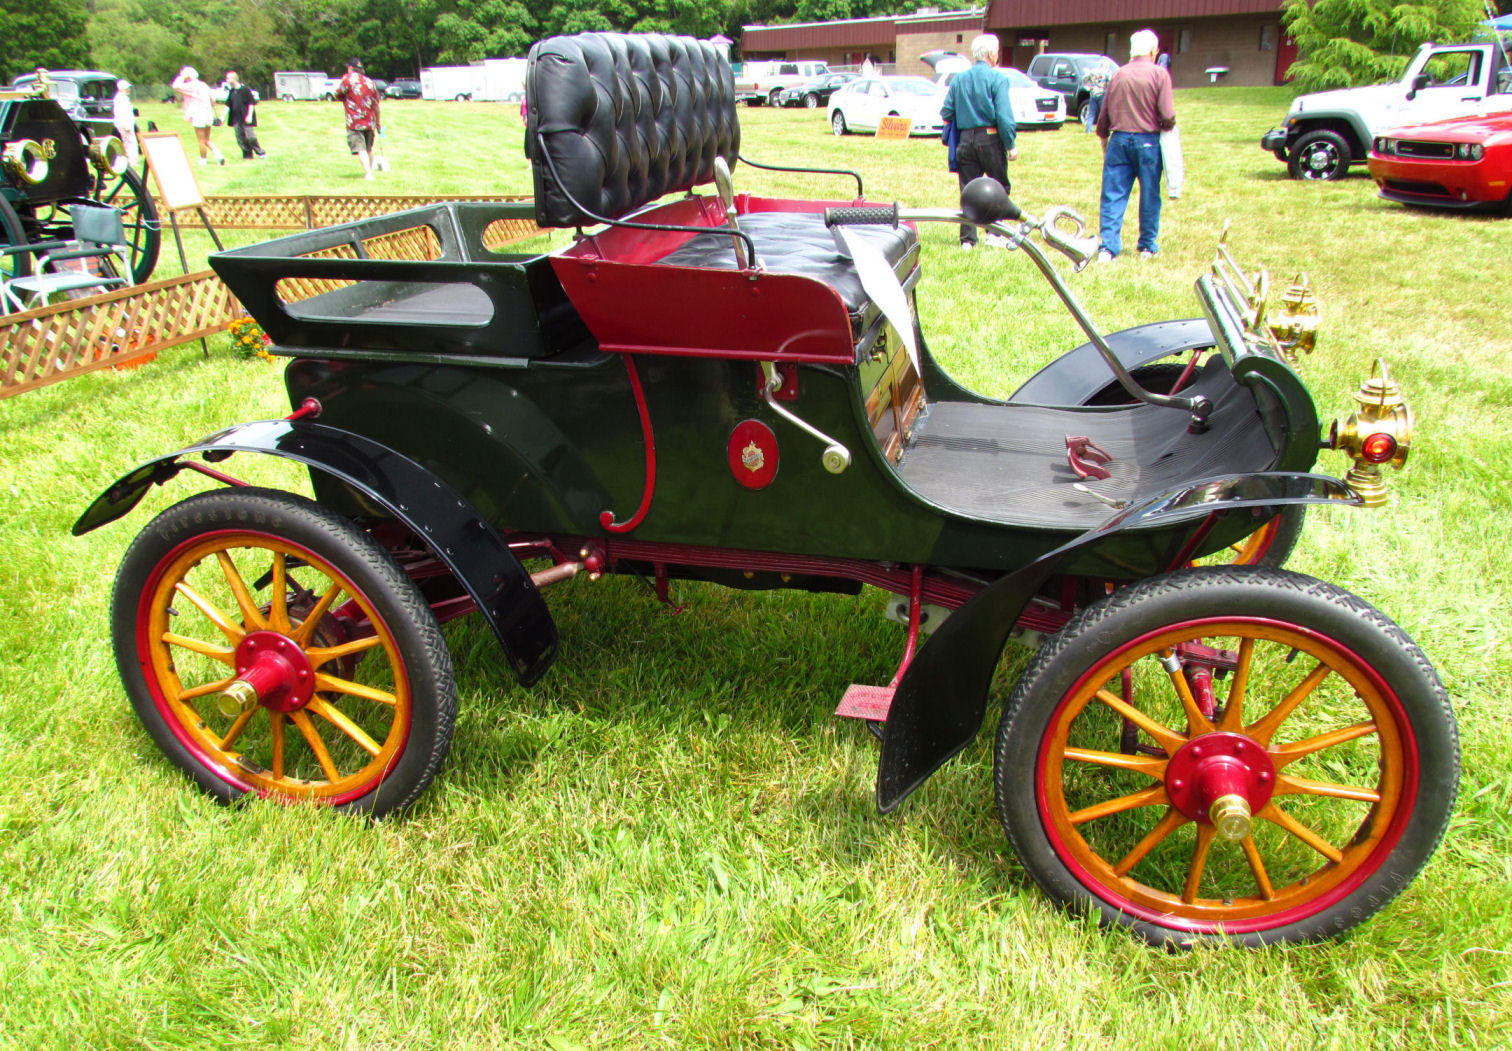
(670, 842)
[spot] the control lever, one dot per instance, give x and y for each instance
(836, 457)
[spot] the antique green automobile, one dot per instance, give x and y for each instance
(731, 388)
(49, 167)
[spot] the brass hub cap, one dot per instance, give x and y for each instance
(1221, 779)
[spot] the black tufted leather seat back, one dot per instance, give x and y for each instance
(626, 119)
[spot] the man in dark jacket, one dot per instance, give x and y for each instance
(1136, 109)
(241, 115)
(978, 104)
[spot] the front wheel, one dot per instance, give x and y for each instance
(837, 122)
(271, 647)
(811, 101)
(1321, 155)
(1250, 755)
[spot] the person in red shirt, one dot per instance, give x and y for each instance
(1136, 109)
(360, 98)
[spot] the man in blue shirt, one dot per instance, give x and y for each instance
(978, 103)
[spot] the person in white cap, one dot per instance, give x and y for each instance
(199, 111)
(123, 116)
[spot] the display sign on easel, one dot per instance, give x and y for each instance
(894, 128)
(177, 187)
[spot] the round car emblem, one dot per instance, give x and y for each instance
(753, 454)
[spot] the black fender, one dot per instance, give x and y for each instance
(940, 702)
(435, 512)
(1081, 372)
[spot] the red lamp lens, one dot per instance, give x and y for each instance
(1378, 448)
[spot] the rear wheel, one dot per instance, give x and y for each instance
(18, 264)
(139, 216)
(1320, 154)
(773, 95)
(837, 122)
(1083, 112)
(271, 647)
(1251, 755)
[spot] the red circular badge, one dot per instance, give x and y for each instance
(753, 454)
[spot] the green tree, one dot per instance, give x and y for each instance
(126, 42)
(1344, 43)
(48, 33)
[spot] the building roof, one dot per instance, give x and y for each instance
(849, 32)
(1036, 13)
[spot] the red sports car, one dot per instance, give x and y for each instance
(1463, 162)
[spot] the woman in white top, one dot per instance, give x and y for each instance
(199, 111)
(123, 116)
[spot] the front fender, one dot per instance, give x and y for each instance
(435, 512)
(941, 700)
(1080, 373)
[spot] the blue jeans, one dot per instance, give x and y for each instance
(1094, 106)
(1131, 155)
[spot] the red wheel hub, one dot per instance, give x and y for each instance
(277, 669)
(1210, 775)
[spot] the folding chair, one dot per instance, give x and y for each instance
(99, 255)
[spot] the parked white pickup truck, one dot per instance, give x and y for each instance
(762, 82)
(1328, 131)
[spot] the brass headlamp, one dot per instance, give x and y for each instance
(108, 155)
(25, 161)
(1378, 433)
(1295, 325)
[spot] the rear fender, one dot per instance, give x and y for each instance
(1080, 373)
(941, 700)
(435, 512)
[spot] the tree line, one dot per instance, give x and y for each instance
(1341, 42)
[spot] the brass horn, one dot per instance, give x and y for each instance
(1075, 244)
(108, 155)
(25, 161)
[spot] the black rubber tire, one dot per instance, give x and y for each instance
(811, 101)
(837, 123)
(1070, 662)
(371, 571)
(773, 97)
(287, 98)
(1319, 155)
(1082, 111)
(11, 234)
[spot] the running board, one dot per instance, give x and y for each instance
(866, 702)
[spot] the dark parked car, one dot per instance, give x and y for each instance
(85, 95)
(1064, 72)
(403, 88)
(816, 92)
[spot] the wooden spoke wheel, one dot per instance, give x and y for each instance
(11, 235)
(271, 647)
(1214, 753)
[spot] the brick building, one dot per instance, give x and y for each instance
(1242, 37)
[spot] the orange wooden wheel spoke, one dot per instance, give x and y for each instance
(1290, 753)
(325, 654)
(244, 600)
(1197, 722)
(331, 684)
(237, 727)
(278, 588)
(1167, 738)
(312, 619)
(1257, 866)
(1233, 710)
(1149, 797)
(331, 714)
(204, 690)
(1172, 820)
(1274, 813)
(1265, 728)
(312, 738)
(1205, 834)
(205, 649)
(276, 730)
(231, 630)
(1305, 786)
(1139, 764)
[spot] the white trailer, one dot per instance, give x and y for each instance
(461, 83)
(290, 86)
(503, 79)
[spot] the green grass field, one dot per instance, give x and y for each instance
(670, 842)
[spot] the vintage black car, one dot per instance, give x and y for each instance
(735, 388)
(49, 165)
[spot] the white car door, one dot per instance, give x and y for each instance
(1454, 88)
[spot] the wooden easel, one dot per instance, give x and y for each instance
(177, 187)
